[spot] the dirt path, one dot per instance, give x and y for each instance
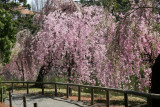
(50, 101)
(43, 101)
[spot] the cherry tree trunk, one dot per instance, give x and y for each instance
(155, 81)
(69, 80)
(23, 79)
(40, 78)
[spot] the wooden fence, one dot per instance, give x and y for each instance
(149, 96)
(10, 99)
(24, 101)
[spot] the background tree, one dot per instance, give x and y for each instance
(7, 38)
(4, 1)
(114, 6)
(80, 46)
(18, 64)
(134, 48)
(93, 46)
(9, 26)
(21, 22)
(129, 50)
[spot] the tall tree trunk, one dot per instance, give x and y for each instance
(23, 76)
(41, 74)
(155, 81)
(40, 78)
(69, 80)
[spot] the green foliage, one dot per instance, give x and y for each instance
(4, 90)
(28, 6)
(26, 23)
(7, 38)
(118, 6)
(21, 22)
(121, 6)
(156, 27)
(23, 1)
(106, 3)
(12, 21)
(115, 6)
(4, 1)
(82, 1)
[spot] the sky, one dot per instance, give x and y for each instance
(29, 1)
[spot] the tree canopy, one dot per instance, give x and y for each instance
(88, 44)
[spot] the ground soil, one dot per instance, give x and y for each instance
(95, 99)
(4, 105)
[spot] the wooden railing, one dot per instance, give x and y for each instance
(149, 96)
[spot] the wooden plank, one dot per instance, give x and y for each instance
(55, 89)
(12, 87)
(79, 93)
(10, 99)
(42, 89)
(1, 95)
(35, 105)
(126, 99)
(27, 88)
(67, 91)
(92, 96)
(24, 101)
(107, 98)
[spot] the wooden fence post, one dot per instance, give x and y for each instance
(79, 93)
(1, 94)
(67, 91)
(92, 96)
(126, 99)
(24, 101)
(107, 98)
(35, 105)
(55, 90)
(10, 99)
(42, 89)
(12, 86)
(27, 88)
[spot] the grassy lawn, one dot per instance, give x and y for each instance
(116, 99)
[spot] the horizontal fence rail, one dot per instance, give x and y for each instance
(125, 92)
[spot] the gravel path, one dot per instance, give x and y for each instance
(43, 101)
